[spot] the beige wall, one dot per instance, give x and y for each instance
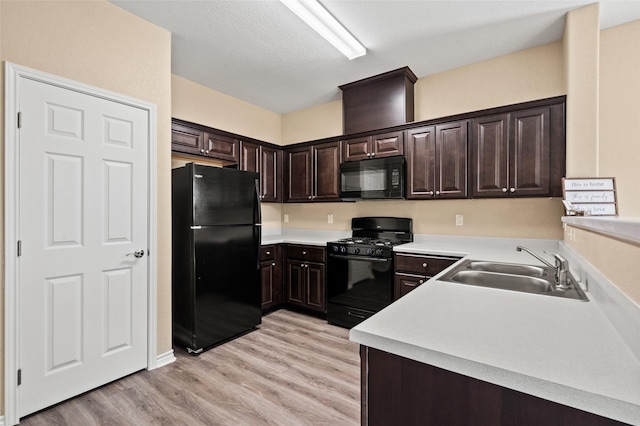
(603, 69)
(322, 121)
(619, 141)
(519, 77)
(615, 259)
(193, 102)
(99, 44)
(521, 218)
(581, 43)
(523, 76)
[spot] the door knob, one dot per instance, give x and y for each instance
(137, 253)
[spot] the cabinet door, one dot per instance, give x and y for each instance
(421, 152)
(267, 281)
(295, 282)
(220, 147)
(356, 149)
(316, 298)
(529, 159)
(299, 175)
(489, 156)
(451, 160)
(249, 157)
(387, 144)
(271, 174)
(404, 283)
(186, 139)
(326, 168)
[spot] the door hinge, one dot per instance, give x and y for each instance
(19, 120)
(19, 248)
(19, 377)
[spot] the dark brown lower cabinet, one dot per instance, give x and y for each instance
(271, 276)
(400, 391)
(304, 277)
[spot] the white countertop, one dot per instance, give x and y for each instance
(562, 350)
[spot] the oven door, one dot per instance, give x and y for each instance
(357, 287)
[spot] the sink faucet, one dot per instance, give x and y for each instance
(561, 266)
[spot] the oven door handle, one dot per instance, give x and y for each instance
(362, 258)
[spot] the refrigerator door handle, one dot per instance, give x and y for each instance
(257, 215)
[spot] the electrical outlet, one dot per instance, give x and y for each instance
(330, 218)
(286, 217)
(459, 220)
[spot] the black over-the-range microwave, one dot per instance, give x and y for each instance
(380, 178)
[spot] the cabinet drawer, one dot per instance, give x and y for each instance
(267, 253)
(308, 253)
(423, 265)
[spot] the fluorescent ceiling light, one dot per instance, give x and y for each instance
(318, 18)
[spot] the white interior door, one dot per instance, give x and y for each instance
(83, 212)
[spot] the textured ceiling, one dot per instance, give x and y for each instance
(260, 52)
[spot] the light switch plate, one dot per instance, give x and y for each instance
(459, 220)
(286, 217)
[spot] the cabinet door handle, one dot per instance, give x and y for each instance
(202, 151)
(373, 154)
(504, 189)
(512, 190)
(273, 264)
(206, 152)
(368, 154)
(421, 282)
(309, 197)
(430, 192)
(437, 192)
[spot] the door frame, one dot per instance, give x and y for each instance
(13, 74)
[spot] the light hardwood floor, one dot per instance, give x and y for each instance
(293, 370)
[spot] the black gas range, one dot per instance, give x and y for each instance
(360, 268)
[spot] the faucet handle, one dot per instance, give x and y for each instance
(561, 261)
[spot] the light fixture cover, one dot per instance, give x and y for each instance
(318, 18)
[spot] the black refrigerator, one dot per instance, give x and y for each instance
(216, 230)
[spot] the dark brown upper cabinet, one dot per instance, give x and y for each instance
(377, 102)
(313, 173)
(511, 153)
(373, 146)
(437, 161)
(266, 161)
(197, 140)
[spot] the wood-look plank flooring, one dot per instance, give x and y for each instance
(293, 370)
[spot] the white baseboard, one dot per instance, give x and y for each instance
(162, 360)
(1, 420)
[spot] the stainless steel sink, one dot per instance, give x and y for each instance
(513, 277)
(507, 268)
(503, 281)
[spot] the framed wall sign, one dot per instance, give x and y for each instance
(590, 196)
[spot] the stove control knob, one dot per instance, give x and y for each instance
(356, 250)
(379, 252)
(343, 249)
(369, 251)
(335, 248)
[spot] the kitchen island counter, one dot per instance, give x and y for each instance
(562, 350)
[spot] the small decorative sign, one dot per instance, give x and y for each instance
(590, 196)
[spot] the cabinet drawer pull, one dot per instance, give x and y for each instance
(356, 315)
(304, 252)
(268, 252)
(424, 265)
